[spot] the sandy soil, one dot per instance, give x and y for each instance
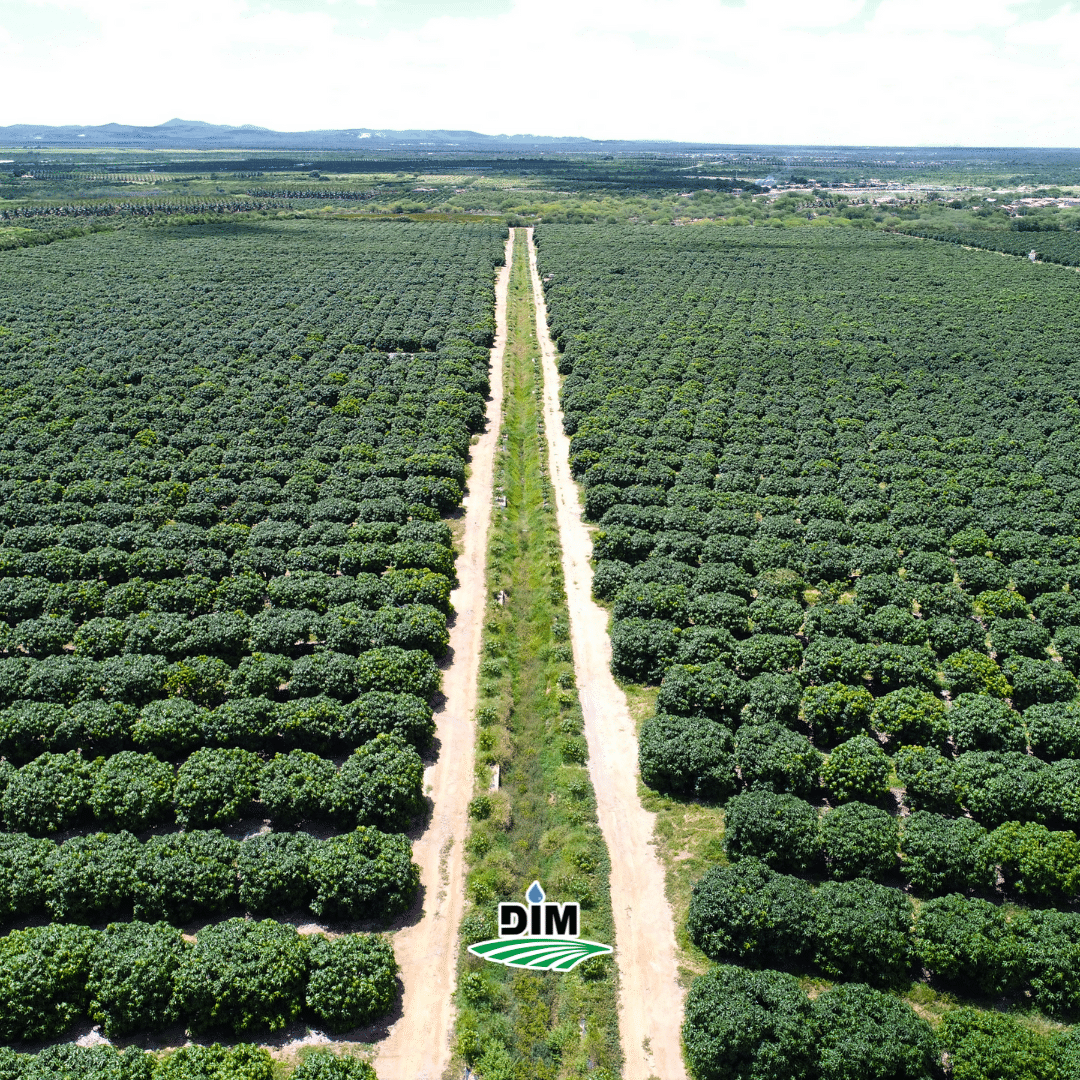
(650, 999)
(418, 1045)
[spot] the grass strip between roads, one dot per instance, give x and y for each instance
(539, 822)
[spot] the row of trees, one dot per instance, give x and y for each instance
(860, 931)
(244, 1061)
(379, 784)
(363, 874)
(247, 718)
(762, 1023)
(932, 853)
(238, 976)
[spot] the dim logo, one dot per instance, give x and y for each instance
(540, 934)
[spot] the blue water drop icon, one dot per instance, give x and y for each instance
(535, 895)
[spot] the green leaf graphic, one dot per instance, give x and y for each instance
(544, 953)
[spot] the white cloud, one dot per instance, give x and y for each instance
(914, 71)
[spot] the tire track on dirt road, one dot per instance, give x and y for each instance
(418, 1046)
(650, 998)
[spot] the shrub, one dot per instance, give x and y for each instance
(856, 769)
(1065, 1052)
(781, 830)
(92, 876)
(274, 874)
(772, 757)
(992, 1046)
(131, 971)
(1034, 861)
(970, 672)
(134, 680)
(978, 722)
(722, 609)
(181, 875)
(909, 716)
(998, 786)
(332, 673)
(643, 649)
(101, 725)
(1053, 730)
(686, 755)
(768, 653)
(968, 943)
(748, 914)
(897, 666)
(864, 1034)
(311, 722)
(398, 671)
(27, 727)
(896, 625)
(1039, 681)
(742, 1025)
(243, 1062)
(652, 600)
(862, 932)
(381, 713)
(245, 722)
(711, 690)
(169, 728)
(1049, 942)
(362, 874)
(280, 630)
(296, 785)
(774, 616)
(837, 659)
(243, 976)
(1001, 604)
(132, 791)
(50, 793)
(774, 699)
(73, 1062)
(1067, 645)
(42, 980)
(837, 712)
(948, 636)
(24, 863)
(1019, 637)
(201, 679)
(380, 784)
(859, 841)
(929, 779)
(260, 675)
(1057, 793)
(609, 577)
(324, 1065)
(352, 980)
(941, 854)
(214, 786)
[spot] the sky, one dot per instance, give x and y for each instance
(878, 72)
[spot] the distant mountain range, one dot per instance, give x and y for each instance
(196, 135)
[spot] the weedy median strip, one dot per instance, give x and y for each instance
(534, 812)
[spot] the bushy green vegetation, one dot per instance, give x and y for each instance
(222, 566)
(238, 976)
(829, 458)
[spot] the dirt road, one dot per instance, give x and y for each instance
(650, 999)
(418, 1046)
